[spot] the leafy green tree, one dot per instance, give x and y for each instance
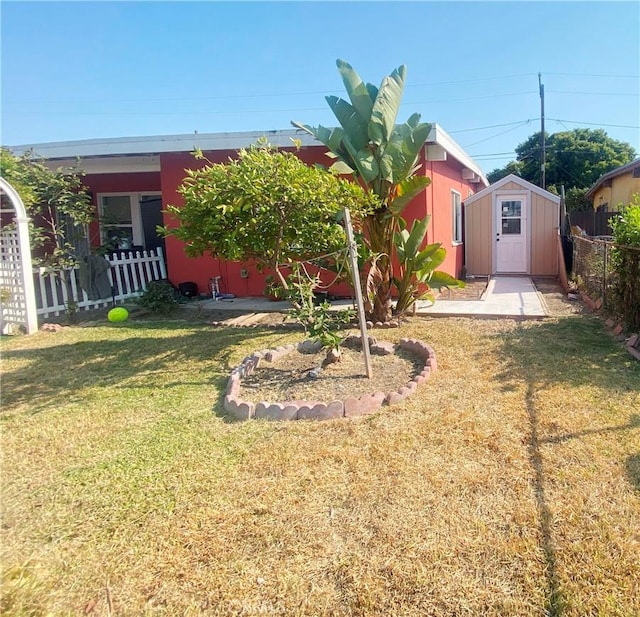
(382, 155)
(266, 206)
(57, 202)
(575, 159)
(59, 207)
(626, 262)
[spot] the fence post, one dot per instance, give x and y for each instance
(604, 277)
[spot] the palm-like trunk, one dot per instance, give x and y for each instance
(380, 228)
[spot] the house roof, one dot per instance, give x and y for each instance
(618, 171)
(525, 184)
(144, 151)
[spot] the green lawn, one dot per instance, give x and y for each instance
(508, 485)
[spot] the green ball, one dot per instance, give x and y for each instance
(118, 314)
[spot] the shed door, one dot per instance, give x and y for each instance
(511, 239)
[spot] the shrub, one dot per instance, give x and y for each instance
(159, 297)
(626, 260)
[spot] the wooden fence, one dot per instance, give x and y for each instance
(129, 276)
(593, 223)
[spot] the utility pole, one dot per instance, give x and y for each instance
(542, 140)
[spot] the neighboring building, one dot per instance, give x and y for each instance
(133, 179)
(616, 187)
(512, 227)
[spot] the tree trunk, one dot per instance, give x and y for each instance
(380, 229)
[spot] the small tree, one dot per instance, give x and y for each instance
(59, 207)
(266, 206)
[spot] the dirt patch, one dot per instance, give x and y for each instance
(555, 298)
(473, 290)
(288, 377)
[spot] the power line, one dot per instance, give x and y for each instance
(492, 126)
(263, 94)
(595, 75)
(619, 126)
(594, 93)
(325, 91)
(513, 128)
(235, 111)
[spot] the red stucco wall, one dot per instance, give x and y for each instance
(435, 201)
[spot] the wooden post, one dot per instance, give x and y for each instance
(353, 255)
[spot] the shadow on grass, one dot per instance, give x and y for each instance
(632, 466)
(555, 600)
(119, 356)
(574, 351)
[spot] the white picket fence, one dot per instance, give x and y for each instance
(129, 275)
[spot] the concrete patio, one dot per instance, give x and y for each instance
(505, 296)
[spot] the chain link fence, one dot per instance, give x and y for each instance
(602, 269)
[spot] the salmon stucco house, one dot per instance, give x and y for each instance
(132, 179)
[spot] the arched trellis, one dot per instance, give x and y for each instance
(16, 272)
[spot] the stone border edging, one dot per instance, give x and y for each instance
(318, 410)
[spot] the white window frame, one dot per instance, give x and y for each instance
(456, 218)
(136, 215)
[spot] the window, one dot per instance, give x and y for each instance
(456, 214)
(511, 217)
(116, 221)
(129, 220)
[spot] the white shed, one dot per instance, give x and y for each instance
(512, 227)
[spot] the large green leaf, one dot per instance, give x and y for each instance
(407, 190)
(359, 93)
(350, 121)
(386, 106)
(430, 257)
(367, 165)
(386, 163)
(426, 272)
(440, 279)
(360, 160)
(416, 236)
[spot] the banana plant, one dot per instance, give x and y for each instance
(382, 156)
(418, 275)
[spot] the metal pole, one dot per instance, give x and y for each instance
(353, 255)
(542, 137)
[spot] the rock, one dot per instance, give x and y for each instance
(333, 356)
(314, 373)
(51, 327)
(383, 348)
(309, 346)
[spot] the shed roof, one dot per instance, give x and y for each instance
(618, 171)
(525, 184)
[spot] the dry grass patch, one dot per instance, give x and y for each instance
(508, 485)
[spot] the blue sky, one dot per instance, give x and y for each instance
(83, 70)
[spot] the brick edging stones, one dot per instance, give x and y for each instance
(318, 410)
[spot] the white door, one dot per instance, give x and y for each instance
(511, 239)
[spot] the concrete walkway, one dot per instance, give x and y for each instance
(505, 296)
